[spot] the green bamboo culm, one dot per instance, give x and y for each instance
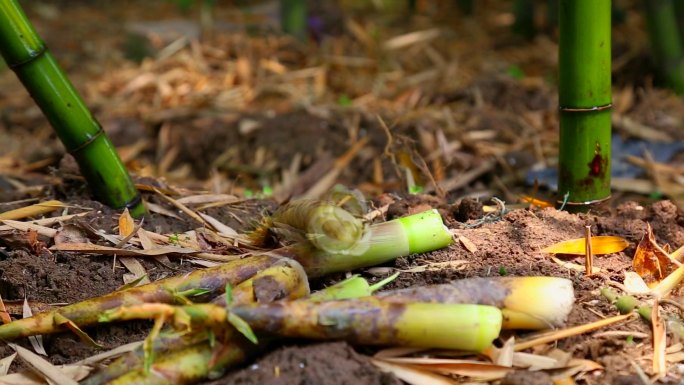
(26, 54)
(524, 18)
(585, 102)
(666, 43)
(293, 14)
(679, 15)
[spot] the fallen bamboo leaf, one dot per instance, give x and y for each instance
(5, 364)
(192, 214)
(221, 228)
(49, 221)
(603, 244)
(568, 332)
(147, 244)
(478, 370)
(75, 372)
(24, 226)
(411, 38)
(37, 340)
(413, 376)
(128, 229)
(91, 248)
(32, 211)
(100, 357)
(575, 266)
(467, 243)
(159, 209)
(42, 366)
(207, 198)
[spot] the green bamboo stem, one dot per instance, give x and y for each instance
(552, 15)
(467, 7)
(679, 16)
(666, 44)
(293, 14)
(585, 102)
(524, 18)
(82, 135)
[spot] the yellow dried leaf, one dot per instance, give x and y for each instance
(536, 202)
(126, 224)
(467, 243)
(602, 244)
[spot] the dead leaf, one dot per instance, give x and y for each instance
(126, 224)
(467, 243)
(413, 376)
(207, 198)
(107, 250)
(602, 244)
(127, 229)
(575, 266)
(469, 368)
(37, 340)
(650, 261)
(25, 226)
(42, 366)
(5, 364)
(32, 211)
(220, 227)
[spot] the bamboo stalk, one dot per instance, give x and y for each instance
(668, 54)
(585, 102)
(293, 14)
(524, 18)
(81, 134)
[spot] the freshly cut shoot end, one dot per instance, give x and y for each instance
(417, 233)
(528, 302)
(546, 300)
